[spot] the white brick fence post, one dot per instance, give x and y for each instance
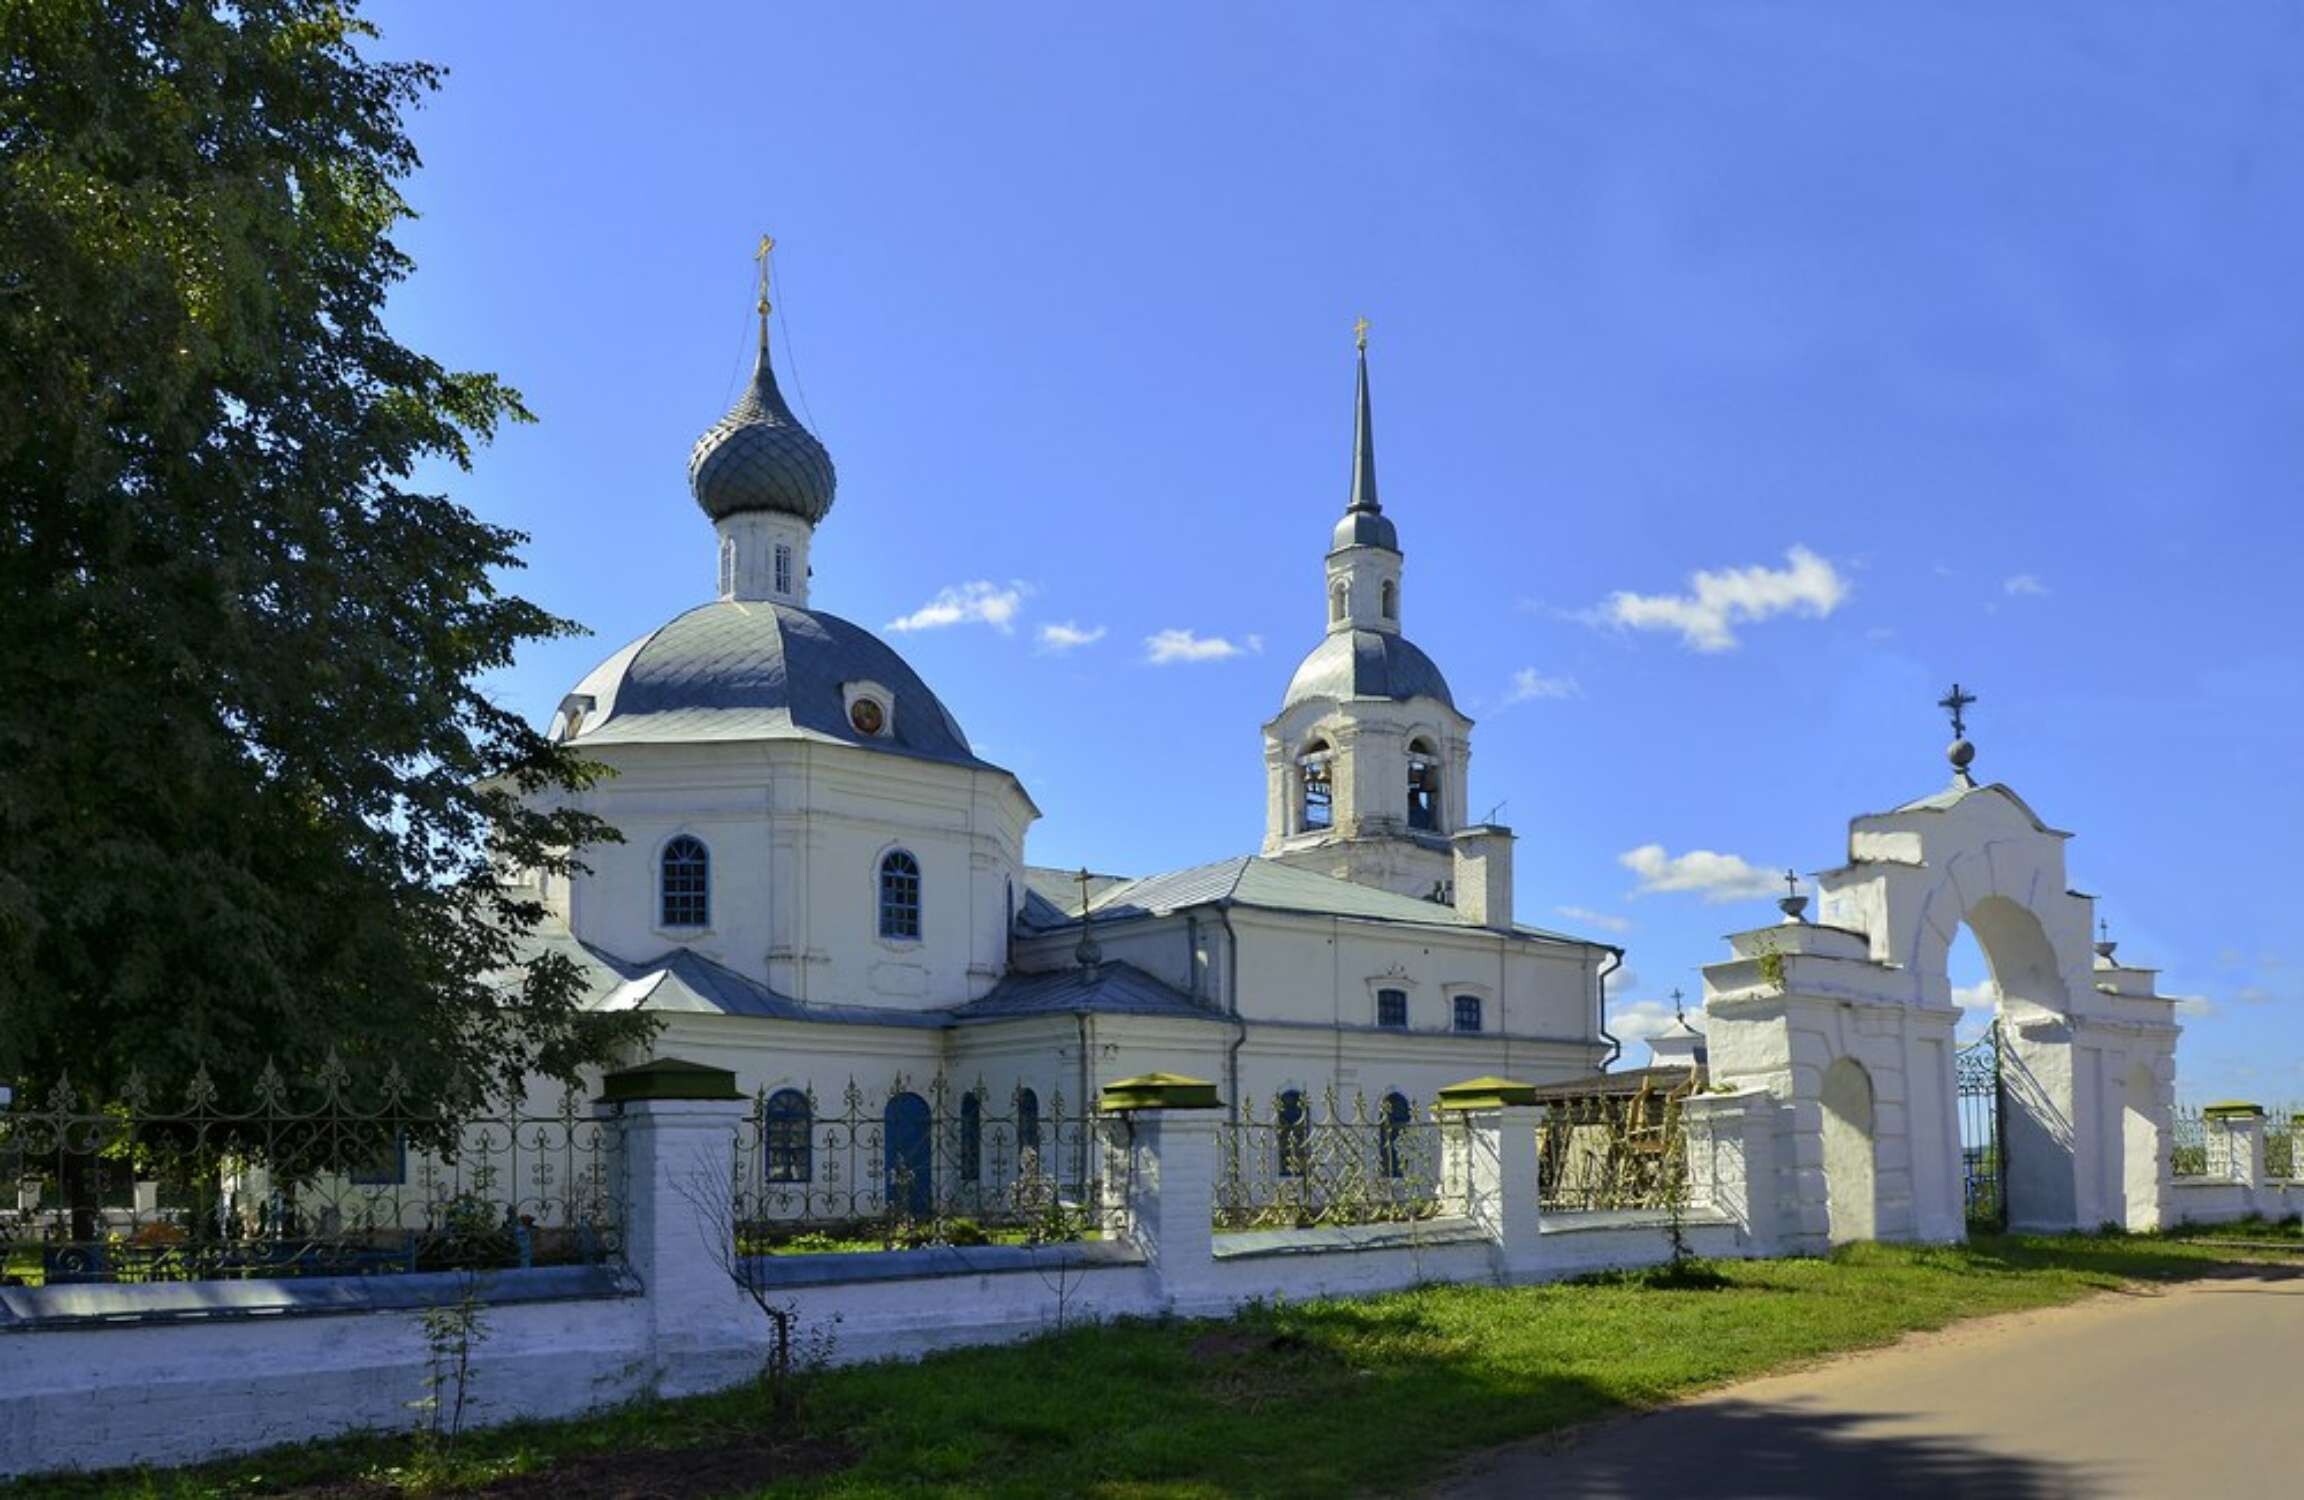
(679, 1124)
(2235, 1140)
(1489, 1131)
(1166, 1203)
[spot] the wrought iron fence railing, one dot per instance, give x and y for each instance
(2280, 1143)
(316, 1178)
(2188, 1143)
(918, 1164)
(1295, 1162)
(1613, 1151)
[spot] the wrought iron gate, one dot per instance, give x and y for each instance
(1983, 1152)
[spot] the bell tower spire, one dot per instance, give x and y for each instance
(1364, 558)
(1363, 436)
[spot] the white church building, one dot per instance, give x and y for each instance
(820, 880)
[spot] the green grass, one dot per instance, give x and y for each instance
(1312, 1399)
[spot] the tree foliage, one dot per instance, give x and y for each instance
(252, 802)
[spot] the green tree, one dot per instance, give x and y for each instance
(252, 802)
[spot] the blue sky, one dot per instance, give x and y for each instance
(1955, 341)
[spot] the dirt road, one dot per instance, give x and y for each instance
(2186, 1391)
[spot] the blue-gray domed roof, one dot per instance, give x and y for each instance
(759, 457)
(752, 670)
(1366, 664)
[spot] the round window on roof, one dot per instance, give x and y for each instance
(867, 715)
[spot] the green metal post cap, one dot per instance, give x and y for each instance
(668, 1078)
(1159, 1091)
(1485, 1093)
(2232, 1109)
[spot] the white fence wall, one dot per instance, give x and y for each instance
(100, 1376)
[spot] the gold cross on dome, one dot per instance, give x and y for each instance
(767, 244)
(1360, 333)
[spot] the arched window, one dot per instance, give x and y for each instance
(899, 895)
(1339, 601)
(1314, 772)
(727, 566)
(1389, 1129)
(1027, 1120)
(1391, 600)
(684, 889)
(783, 567)
(1423, 786)
(1292, 1132)
(786, 1124)
(971, 1138)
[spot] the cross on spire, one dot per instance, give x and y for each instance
(1957, 702)
(1360, 333)
(1088, 953)
(1677, 1012)
(767, 247)
(1791, 883)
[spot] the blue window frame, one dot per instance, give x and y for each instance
(899, 896)
(1027, 1120)
(1468, 1013)
(1292, 1133)
(684, 889)
(787, 1126)
(1395, 1121)
(1392, 1009)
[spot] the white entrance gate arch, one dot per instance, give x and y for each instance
(2088, 1061)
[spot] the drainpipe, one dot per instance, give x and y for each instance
(1615, 1047)
(1232, 1003)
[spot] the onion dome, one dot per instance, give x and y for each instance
(759, 457)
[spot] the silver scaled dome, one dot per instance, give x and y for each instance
(759, 457)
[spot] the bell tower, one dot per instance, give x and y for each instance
(1365, 762)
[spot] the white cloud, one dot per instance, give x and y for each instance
(1981, 997)
(1182, 645)
(2024, 584)
(1528, 684)
(1623, 977)
(1599, 919)
(1067, 635)
(1717, 601)
(2195, 1005)
(1717, 877)
(976, 603)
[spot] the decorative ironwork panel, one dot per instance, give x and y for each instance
(2188, 1150)
(1613, 1151)
(920, 1163)
(1299, 1163)
(1983, 1159)
(320, 1178)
